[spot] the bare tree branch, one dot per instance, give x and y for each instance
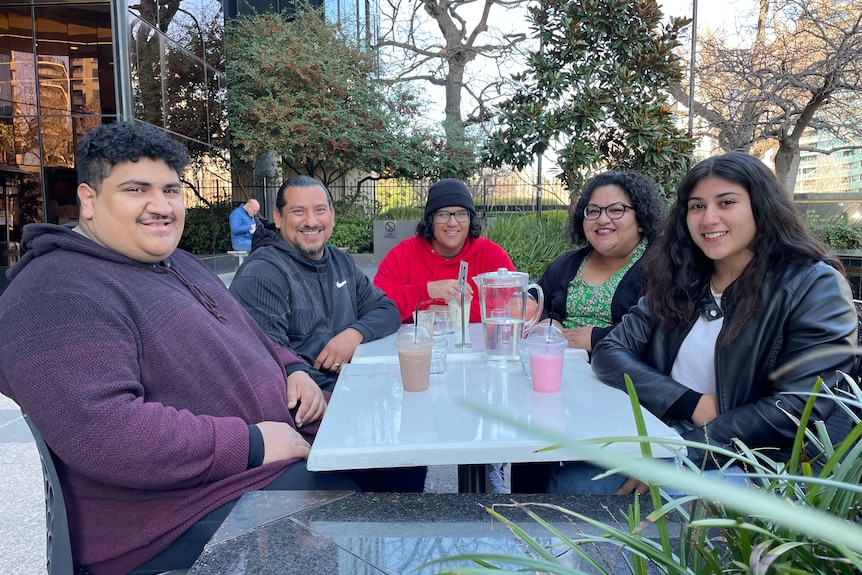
(803, 71)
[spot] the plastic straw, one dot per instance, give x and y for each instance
(548, 334)
(416, 324)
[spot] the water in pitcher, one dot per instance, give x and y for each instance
(503, 338)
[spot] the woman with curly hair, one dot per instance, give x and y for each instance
(736, 289)
(587, 290)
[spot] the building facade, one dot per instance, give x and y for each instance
(829, 185)
(359, 19)
(66, 66)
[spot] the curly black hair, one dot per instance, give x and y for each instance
(649, 207)
(107, 145)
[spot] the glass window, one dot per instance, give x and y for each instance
(55, 61)
(186, 93)
(146, 67)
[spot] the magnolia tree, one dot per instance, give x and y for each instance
(595, 93)
(299, 90)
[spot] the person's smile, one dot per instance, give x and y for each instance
(157, 224)
(721, 222)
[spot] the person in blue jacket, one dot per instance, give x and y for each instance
(243, 224)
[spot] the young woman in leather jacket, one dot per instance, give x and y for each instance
(736, 288)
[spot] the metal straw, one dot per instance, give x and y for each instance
(463, 323)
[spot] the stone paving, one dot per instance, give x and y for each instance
(22, 505)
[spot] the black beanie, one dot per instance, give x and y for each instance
(449, 192)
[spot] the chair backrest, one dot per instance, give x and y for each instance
(59, 550)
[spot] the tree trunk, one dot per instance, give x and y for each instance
(787, 163)
(267, 177)
(454, 125)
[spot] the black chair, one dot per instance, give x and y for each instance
(59, 549)
(57, 523)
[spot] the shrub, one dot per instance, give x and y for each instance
(402, 213)
(793, 520)
(837, 235)
(530, 243)
(207, 230)
(354, 229)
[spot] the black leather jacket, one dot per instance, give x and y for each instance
(806, 307)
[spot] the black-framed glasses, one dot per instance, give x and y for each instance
(442, 216)
(614, 211)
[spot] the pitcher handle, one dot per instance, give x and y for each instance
(540, 306)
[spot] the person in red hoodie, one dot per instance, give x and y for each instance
(424, 269)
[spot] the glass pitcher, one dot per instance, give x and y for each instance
(507, 313)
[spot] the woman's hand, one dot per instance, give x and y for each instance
(580, 337)
(447, 290)
(706, 410)
(632, 485)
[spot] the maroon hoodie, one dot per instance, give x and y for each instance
(143, 380)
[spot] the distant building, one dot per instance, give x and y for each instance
(359, 19)
(66, 66)
(829, 185)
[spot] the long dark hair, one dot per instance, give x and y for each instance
(677, 271)
(643, 195)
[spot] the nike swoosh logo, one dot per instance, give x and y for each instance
(340, 284)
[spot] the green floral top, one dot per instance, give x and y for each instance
(588, 305)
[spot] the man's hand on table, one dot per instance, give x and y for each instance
(281, 441)
(303, 390)
(338, 350)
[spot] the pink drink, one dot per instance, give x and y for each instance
(546, 364)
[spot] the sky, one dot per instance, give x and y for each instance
(707, 10)
(715, 14)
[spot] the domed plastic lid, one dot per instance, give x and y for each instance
(545, 330)
(413, 335)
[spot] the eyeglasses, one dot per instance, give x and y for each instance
(442, 216)
(614, 211)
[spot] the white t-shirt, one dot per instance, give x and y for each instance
(694, 365)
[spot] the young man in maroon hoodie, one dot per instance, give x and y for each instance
(160, 396)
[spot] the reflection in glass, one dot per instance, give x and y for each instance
(70, 72)
(146, 66)
(55, 106)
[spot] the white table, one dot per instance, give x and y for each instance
(372, 423)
